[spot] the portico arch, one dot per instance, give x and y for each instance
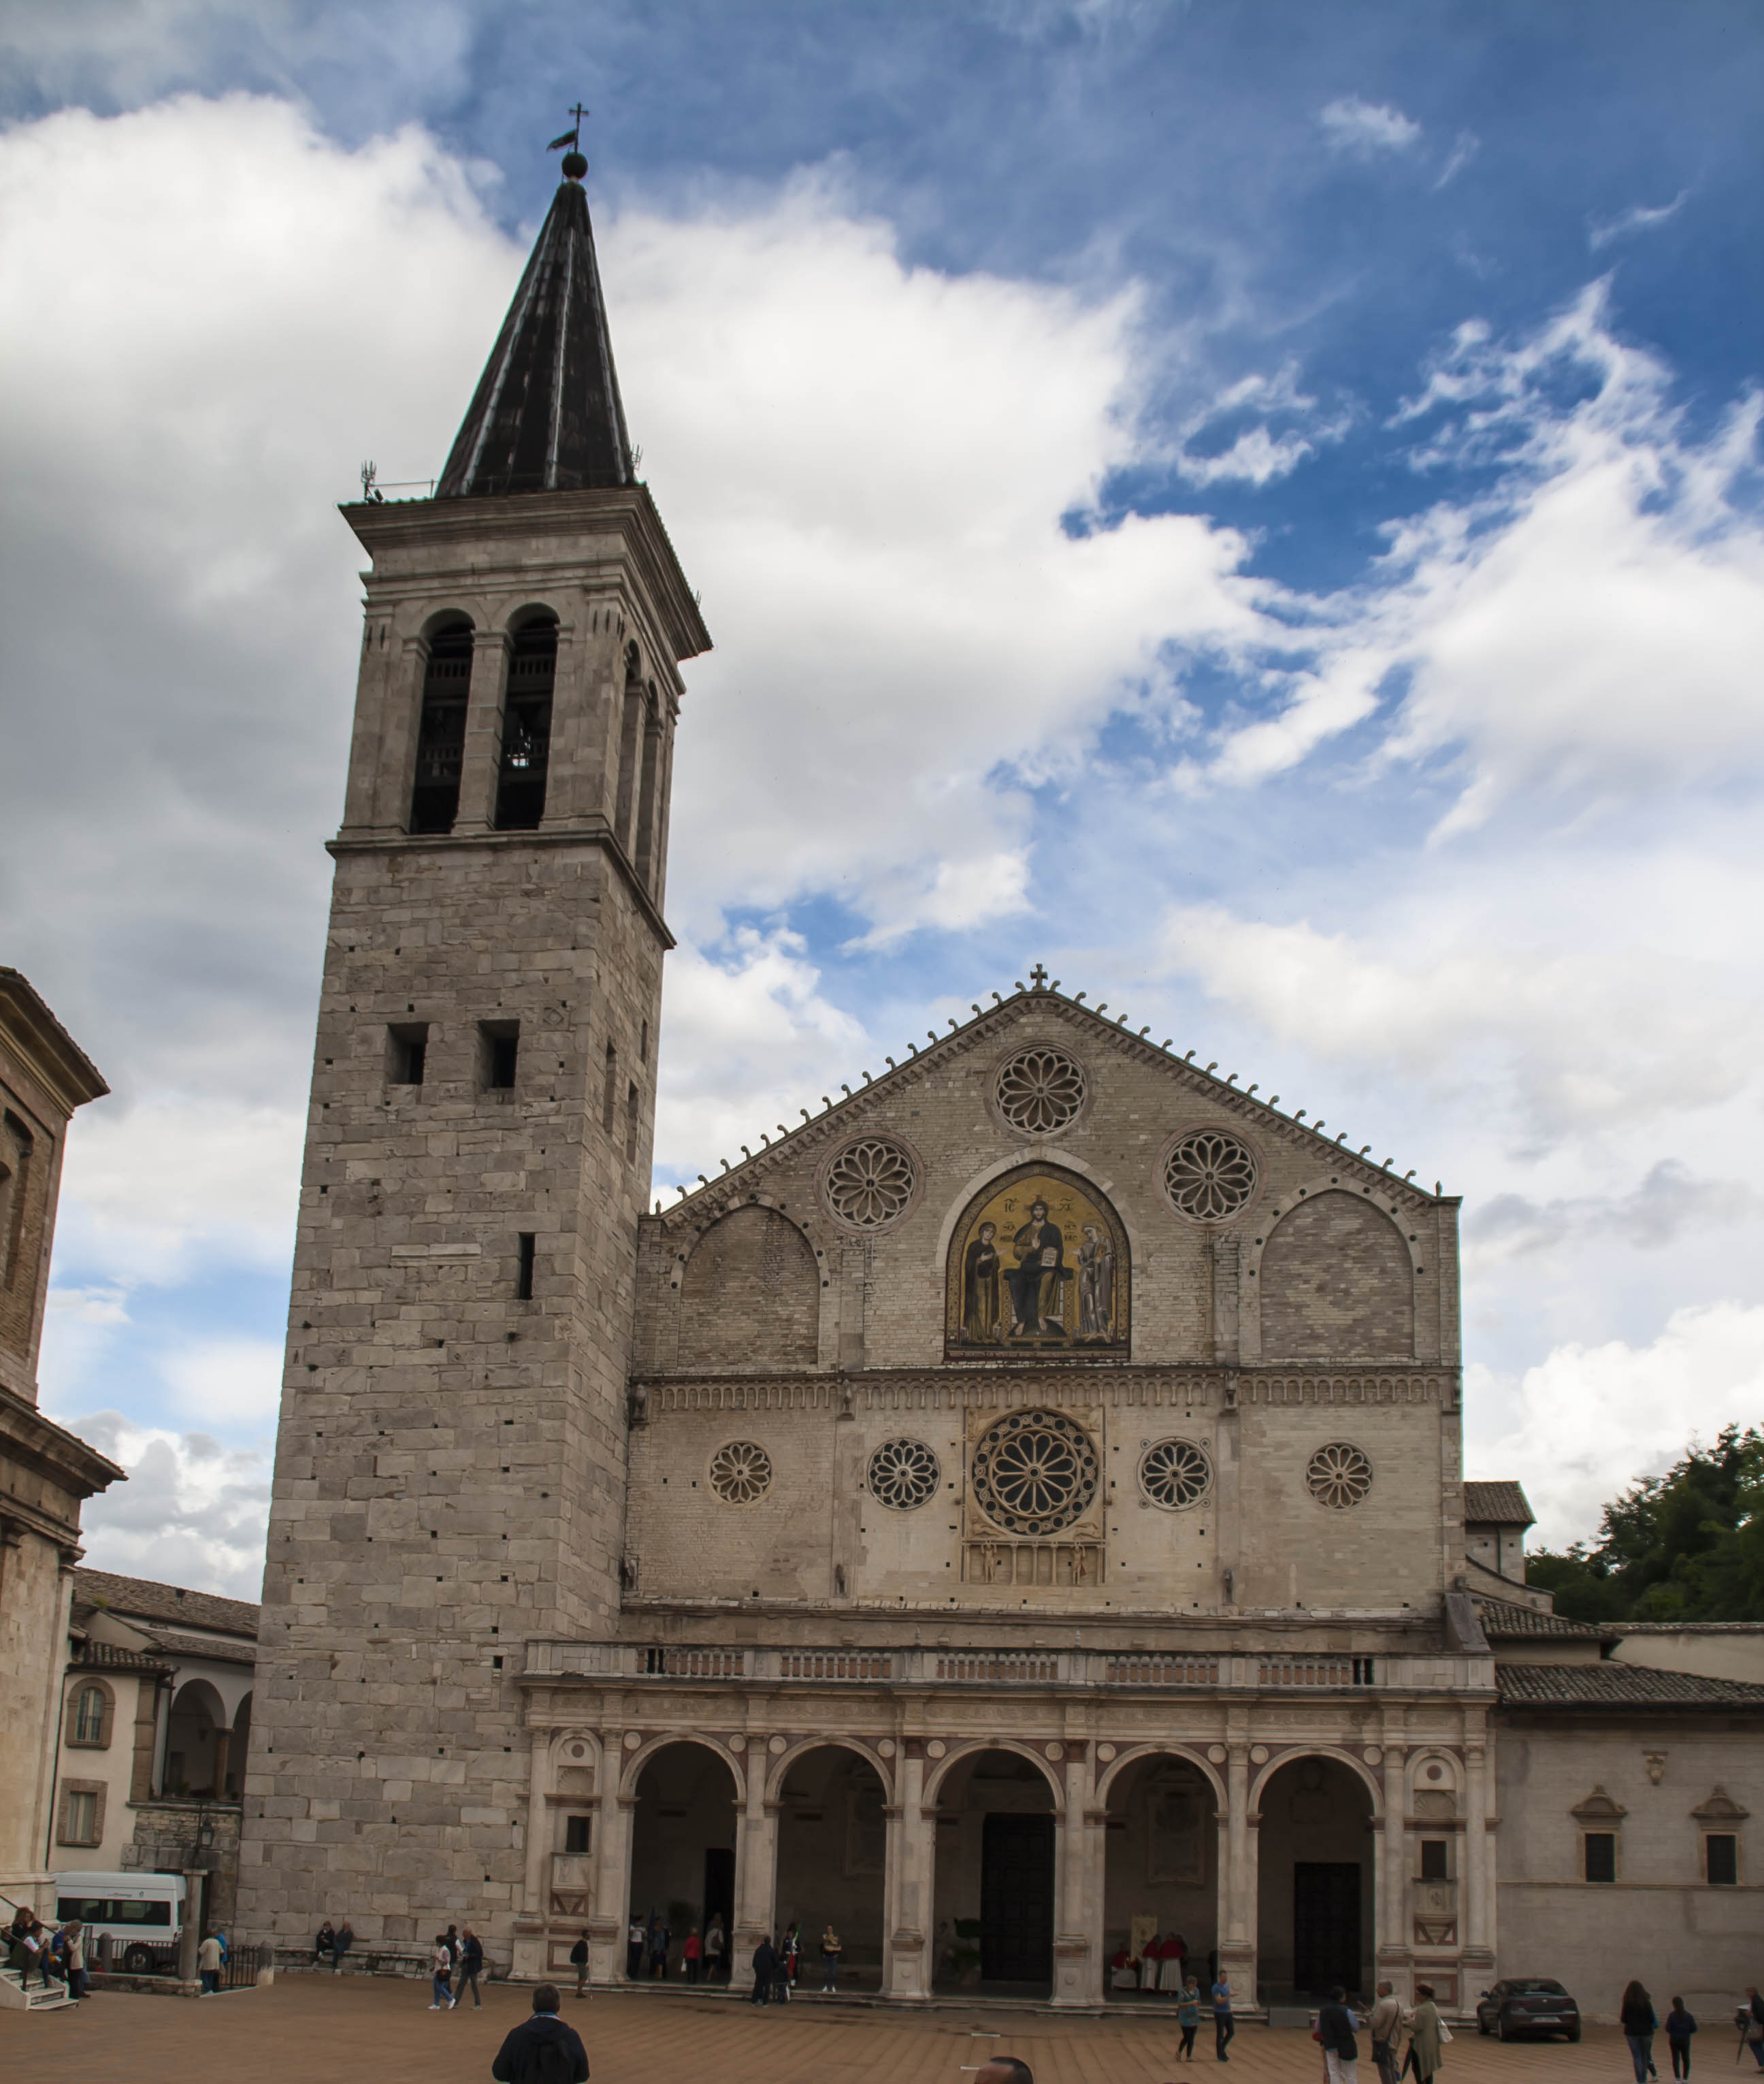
(832, 1839)
(996, 1811)
(1163, 1864)
(1317, 1874)
(685, 1793)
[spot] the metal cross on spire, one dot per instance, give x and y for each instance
(572, 138)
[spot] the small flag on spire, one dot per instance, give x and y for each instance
(570, 137)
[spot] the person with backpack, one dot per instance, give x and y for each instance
(578, 1960)
(1636, 2016)
(1335, 2025)
(542, 2049)
(1680, 2025)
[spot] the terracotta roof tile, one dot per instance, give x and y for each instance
(1629, 1687)
(1504, 1622)
(1496, 1505)
(139, 1599)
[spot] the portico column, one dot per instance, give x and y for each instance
(756, 1865)
(1476, 1934)
(611, 1921)
(1238, 1934)
(907, 1914)
(535, 1898)
(1393, 1935)
(1077, 1949)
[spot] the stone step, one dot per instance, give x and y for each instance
(15, 1998)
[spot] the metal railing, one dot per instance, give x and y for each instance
(1307, 1672)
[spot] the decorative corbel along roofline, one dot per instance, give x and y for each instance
(737, 1183)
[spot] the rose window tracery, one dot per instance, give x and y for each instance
(1175, 1474)
(1210, 1175)
(1040, 1090)
(903, 1475)
(740, 1471)
(871, 1182)
(1034, 1472)
(1339, 1475)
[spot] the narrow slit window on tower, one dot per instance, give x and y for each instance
(523, 1278)
(630, 746)
(499, 1051)
(609, 1090)
(407, 1053)
(631, 1125)
(440, 733)
(643, 1044)
(527, 726)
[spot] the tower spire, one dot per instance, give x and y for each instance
(547, 416)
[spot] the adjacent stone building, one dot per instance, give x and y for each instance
(45, 1473)
(1016, 1510)
(155, 1719)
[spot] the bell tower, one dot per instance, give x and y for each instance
(449, 1465)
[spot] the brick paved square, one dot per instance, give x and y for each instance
(315, 2031)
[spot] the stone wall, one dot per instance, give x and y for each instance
(1660, 1921)
(167, 1840)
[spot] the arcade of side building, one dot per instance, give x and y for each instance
(1018, 1507)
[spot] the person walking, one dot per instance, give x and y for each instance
(633, 1949)
(765, 1970)
(469, 1966)
(441, 1975)
(1427, 2030)
(1753, 2011)
(692, 1954)
(578, 1960)
(208, 1965)
(660, 1939)
(1680, 2025)
(72, 1937)
(831, 1950)
(1636, 2016)
(1188, 2018)
(716, 1949)
(1223, 2026)
(542, 2049)
(1335, 2026)
(1383, 2026)
(346, 1939)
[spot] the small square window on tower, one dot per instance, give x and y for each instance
(499, 1050)
(407, 1053)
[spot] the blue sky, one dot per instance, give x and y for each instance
(1254, 505)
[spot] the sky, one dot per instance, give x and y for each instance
(1254, 506)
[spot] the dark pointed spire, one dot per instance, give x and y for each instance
(547, 417)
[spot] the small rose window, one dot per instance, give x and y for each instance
(903, 1475)
(741, 1471)
(1040, 1091)
(1339, 1475)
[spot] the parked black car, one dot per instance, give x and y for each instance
(1528, 2005)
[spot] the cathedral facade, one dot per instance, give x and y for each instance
(1015, 1513)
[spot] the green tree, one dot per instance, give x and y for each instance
(1688, 1546)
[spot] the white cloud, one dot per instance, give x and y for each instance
(748, 1036)
(1590, 1419)
(193, 1512)
(1585, 633)
(226, 1381)
(1367, 128)
(1464, 147)
(1602, 231)
(150, 1191)
(1669, 1202)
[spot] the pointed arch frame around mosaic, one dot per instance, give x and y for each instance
(1059, 1286)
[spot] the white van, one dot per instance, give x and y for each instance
(140, 1912)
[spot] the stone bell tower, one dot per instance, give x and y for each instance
(450, 1467)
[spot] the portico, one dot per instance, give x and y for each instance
(1279, 1768)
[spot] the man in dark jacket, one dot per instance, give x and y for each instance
(765, 1968)
(544, 2051)
(1335, 2029)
